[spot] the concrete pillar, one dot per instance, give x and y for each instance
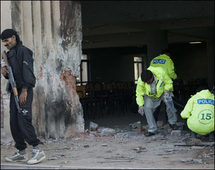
(55, 9)
(6, 22)
(27, 24)
(38, 111)
(71, 34)
(46, 23)
(37, 34)
(16, 17)
(157, 40)
(210, 53)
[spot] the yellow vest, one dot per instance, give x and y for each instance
(166, 63)
(199, 112)
(164, 83)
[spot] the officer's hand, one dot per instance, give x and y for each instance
(4, 71)
(141, 110)
(23, 96)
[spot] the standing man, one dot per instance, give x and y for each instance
(21, 61)
(154, 86)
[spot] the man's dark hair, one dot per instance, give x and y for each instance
(146, 75)
(201, 87)
(165, 51)
(8, 33)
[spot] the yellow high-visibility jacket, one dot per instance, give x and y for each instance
(164, 83)
(199, 112)
(166, 63)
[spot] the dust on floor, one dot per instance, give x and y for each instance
(125, 148)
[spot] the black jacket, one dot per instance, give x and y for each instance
(21, 61)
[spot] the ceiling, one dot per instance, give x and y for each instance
(126, 23)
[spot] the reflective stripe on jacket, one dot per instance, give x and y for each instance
(199, 112)
(166, 63)
(164, 83)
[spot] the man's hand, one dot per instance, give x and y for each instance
(166, 93)
(23, 96)
(141, 110)
(4, 71)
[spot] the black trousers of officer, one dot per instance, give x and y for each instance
(21, 123)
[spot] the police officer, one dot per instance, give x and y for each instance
(154, 86)
(163, 60)
(199, 112)
(21, 61)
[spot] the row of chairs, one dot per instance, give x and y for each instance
(99, 99)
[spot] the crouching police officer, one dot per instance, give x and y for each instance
(199, 112)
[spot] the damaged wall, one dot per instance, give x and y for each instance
(52, 29)
(5, 23)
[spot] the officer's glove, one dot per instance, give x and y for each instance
(141, 110)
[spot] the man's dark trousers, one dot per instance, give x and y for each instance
(21, 123)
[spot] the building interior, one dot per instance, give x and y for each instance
(121, 37)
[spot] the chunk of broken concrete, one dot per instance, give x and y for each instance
(191, 160)
(193, 141)
(93, 126)
(135, 125)
(176, 132)
(107, 132)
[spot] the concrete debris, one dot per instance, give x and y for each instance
(118, 130)
(93, 126)
(191, 160)
(176, 133)
(140, 149)
(86, 146)
(109, 151)
(120, 158)
(93, 134)
(56, 157)
(104, 145)
(206, 155)
(169, 150)
(121, 137)
(193, 141)
(107, 132)
(76, 139)
(53, 158)
(135, 125)
(166, 127)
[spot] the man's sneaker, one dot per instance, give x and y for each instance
(37, 156)
(16, 157)
(173, 126)
(147, 134)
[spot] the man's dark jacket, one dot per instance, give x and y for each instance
(21, 60)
